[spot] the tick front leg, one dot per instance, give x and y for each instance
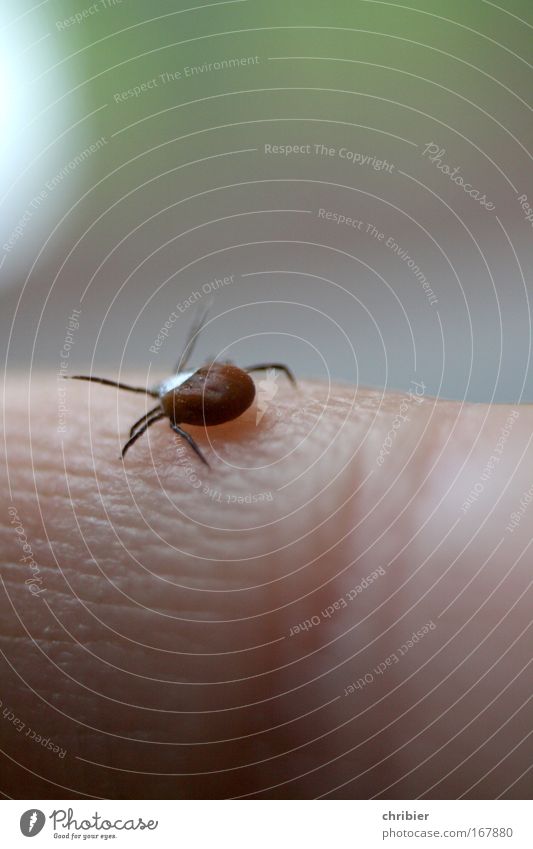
(140, 432)
(279, 366)
(177, 429)
(144, 418)
(115, 383)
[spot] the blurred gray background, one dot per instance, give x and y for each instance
(140, 169)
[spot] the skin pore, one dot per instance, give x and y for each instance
(339, 607)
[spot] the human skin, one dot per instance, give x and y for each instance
(159, 650)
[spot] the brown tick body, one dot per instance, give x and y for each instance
(211, 395)
(214, 394)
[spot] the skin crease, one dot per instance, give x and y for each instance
(158, 653)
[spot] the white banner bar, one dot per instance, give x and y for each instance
(267, 824)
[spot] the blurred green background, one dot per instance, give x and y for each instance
(136, 171)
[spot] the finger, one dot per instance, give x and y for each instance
(264, 627)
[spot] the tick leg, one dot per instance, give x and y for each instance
(177, 429)
(140, 432)
(107, 382)
(144, 418)
(192, 336)
(279, 366)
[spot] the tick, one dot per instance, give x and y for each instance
(213, 394)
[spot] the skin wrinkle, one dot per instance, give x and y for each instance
(246, 588)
